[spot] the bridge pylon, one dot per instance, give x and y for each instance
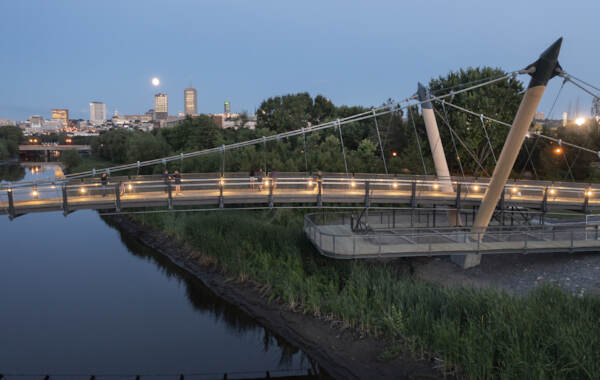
(541, 71)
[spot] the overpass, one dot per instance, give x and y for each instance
(47, 150)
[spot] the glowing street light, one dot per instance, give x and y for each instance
(394, 154)
(580, 121)
(558, 150)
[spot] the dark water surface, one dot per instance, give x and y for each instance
(77, 296)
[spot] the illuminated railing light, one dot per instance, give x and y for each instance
(353, 183)
(35, 193)
(514, 189)
(436, 186)
(82, 190)
(129, 187)
(552, 191)
(395, 185)
(476, 187)
(310, 182)
(588, 193)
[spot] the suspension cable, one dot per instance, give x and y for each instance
(473, 156)
(581, 80)
(380, 111)
(488, 138)
(380, 144)
(412, 118)
(462, 172)
(343, 150)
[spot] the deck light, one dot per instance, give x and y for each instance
(588, 193)
(129, 187)
(310, 182)
(82, 190)
(514, 190)
(552, 191)
(395, 185)
(35, 193)
(475, 187)
(436, 186)
(222, 181)
(353, 183)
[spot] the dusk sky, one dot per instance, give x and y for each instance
(64, 54)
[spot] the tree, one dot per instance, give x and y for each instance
(70, 158)
(499, 100)
(10, 138)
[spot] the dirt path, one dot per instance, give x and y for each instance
(340, 353)
(577, 273)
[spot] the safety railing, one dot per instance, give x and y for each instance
(333, 237)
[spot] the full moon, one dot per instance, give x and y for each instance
(155, 81)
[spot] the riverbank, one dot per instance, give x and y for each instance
(341, 352)
(465, 331)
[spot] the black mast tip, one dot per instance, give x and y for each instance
(546, 67)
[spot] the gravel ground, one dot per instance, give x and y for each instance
(577, 273)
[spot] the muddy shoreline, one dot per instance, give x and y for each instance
(341, 353)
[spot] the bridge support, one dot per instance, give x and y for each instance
(435, 142)
(541, 71)
(118, 197)
(170, 196)
(11, 204)
(65, 200)
(437, 148)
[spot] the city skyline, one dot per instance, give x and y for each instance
(319, 53)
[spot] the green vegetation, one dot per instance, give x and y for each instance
(480, 334)
(70, 159)
(10, 138)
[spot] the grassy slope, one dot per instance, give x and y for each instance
(486, 334)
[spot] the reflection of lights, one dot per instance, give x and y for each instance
(552, 191)
(514, 189)
(82, 190)
(580, 121)
(395, 185)
(475, 187)
(436, 186)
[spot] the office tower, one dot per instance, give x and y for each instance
(62, 115)
(190, 99)
(97, 112)
(161, 106)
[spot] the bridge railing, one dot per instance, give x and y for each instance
(333, 237)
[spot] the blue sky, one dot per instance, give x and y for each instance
(66, 53)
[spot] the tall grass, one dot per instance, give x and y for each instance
(482, 333)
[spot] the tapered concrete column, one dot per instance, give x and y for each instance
(541, 72)
(435, 142)
(437, 148)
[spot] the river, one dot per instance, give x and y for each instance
(79, 297)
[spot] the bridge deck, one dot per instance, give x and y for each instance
(150, 192)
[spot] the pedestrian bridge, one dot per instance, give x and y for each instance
(239, 191)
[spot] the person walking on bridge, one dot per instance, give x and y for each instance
(259, 179)
(177, 179)
(104, 183)
(166, 179)
(252, 176)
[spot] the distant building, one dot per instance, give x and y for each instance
(36, 121)
(97, 113)
(539, 116)
(227, 108)
(565, 119)
(4, 122)
(190, 99)
(52, 125)
(62, 115)
(161, 106)
(225, 121)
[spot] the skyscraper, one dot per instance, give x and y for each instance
(227, 108)
(161, 106)
(190, 100)
(62, 115)
(97, 112)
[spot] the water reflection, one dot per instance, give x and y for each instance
(206, 301)
(11, 172)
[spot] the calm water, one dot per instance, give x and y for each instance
(77, 296)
